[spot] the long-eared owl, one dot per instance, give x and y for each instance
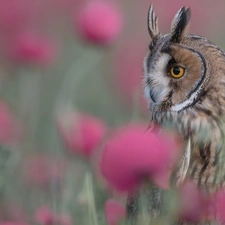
(184, 76)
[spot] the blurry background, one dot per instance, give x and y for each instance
(60, 59)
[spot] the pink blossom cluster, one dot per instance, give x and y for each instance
(23, 25)
(132, 154)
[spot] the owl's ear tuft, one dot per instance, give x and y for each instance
(180, 24)
(153, 28)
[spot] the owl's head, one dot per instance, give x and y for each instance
(175, 67)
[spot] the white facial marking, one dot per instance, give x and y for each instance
(159, 82)
(187, 102)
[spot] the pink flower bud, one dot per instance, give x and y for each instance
(33, 49)
(114, 211)
(99, 22)
(81, 133)
(132, 155)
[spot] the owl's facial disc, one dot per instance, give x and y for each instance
(174, 76)
(174, 69)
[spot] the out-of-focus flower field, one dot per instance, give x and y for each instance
(73, 116)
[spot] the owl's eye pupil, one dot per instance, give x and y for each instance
(176, 70)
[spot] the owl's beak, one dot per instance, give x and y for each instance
(152, 96)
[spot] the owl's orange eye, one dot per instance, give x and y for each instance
(177, 71)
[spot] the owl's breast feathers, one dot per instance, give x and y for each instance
(205, 131)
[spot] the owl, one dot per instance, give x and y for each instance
(184, 76)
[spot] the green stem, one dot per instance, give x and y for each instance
(92, 212)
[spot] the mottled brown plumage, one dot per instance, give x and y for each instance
(194, 103)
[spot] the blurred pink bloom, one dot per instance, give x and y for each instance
(133, 155)
(99, 22)
(44, 170)
(115, 212)
(193, 205)
(10, 131)
(45, 216)
(30, 48)
(81, 133)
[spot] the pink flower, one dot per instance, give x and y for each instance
(99, 22)
(114, 211)
(10, 132)
(33, 49)
(132, 155)
(44, 170)
(81, 133)
(193, 205)
(44, 216)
